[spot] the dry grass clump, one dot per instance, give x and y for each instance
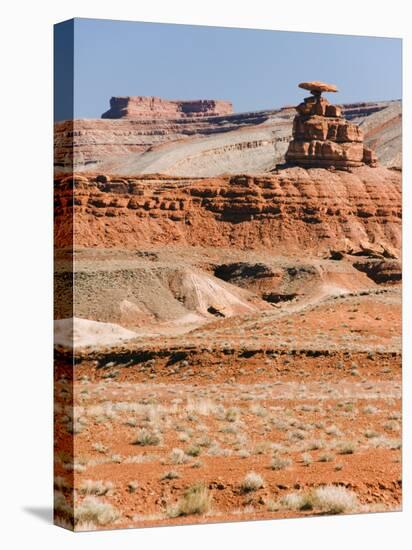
(98, 488)
(392, 426)
(193, 450)
(315, 445)
(99, 448)
(178, 456)
(62, 507)
(370, 409)
(335, 499)
(295, 501)
(196, 500)
(171, 474)
(251, 482)
(297, 435)
(231, 414)
(330, 499)
(61, 483)
(279, 463)
(95, 512)
(332, 430)
(346, 448)
(146, 437)
(370, 434)
(307, 459)
(326, 457)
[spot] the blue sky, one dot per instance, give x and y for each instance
(255, 69)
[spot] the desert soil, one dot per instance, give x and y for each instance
(304, 392)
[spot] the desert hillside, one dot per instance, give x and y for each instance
(207, 146)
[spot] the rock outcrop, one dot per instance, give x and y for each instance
(291, 211)
(143, 107)
(207, 146)
(322, 137)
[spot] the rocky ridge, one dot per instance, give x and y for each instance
(197, 146)
(289, 211)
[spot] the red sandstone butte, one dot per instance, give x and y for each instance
(150, 107)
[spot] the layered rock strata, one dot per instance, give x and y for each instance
(143, 107)
(322, 137)
(290, 211)
(133, 146)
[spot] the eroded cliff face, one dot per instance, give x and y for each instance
(149, 107)
(185, 145)
(322, 137)
(294, 210)
(85, 144)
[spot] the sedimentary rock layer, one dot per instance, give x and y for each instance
(207, 146)
(141, 107)
(322, 137)
(292, 210)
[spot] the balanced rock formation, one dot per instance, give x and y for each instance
(322, 137)
(150, 107)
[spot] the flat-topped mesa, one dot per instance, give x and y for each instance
(150, 107)
(322, 137)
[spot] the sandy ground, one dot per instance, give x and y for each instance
(75, 332)
(296, 396)
(320, 420)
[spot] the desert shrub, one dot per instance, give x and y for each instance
(307, 459)
(196, 500)
(279, 463)
(251, 482)
(333, 499)
(95, 512)
(330, 499)
(171, 474)
(326, 457)
(146, 437)
(99, 448)
(177, 456)
(193, 450)
(295, 501)
(315, 445)
(232, 414)
(370, 434)
(346, 448)
(98, 488)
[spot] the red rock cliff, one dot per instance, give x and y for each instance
(292, 211)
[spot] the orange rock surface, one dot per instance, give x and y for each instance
(291, 210)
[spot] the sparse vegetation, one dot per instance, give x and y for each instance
(196, 500)
(279, 463)
(346, 448)
(251, 482)
(193, 450)
(95, 512)
(146, 437)
(177, 456)
(330, 499)
(98, 488)
(171, 474)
